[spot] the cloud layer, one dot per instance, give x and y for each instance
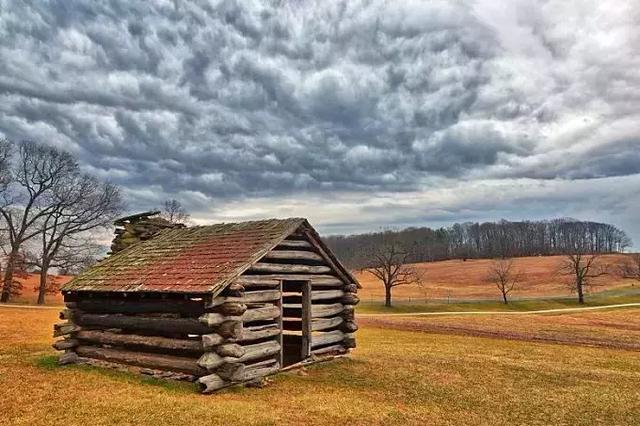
(237, 108)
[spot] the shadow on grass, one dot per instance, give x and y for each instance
(50, 363)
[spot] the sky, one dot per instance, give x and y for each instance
(359, 115)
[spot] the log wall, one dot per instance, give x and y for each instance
(235, 337)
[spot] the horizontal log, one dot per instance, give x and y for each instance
(238, 373)
(288, 268)
(61, 345)
(257, 332)
(293, 255)
(337, 349)
(211, 383)
(320, 339)
(66, 314)
(212, 319)
(350, 299)
(259, 350)
(257, 281)
(230, 349)
(155, 361)
(115, 306)
(252, 373)
(326, 294)
(289, 244)
(317, 311)
(325, 323)
(65, 328)
(210, 361)
(259, 296)
(322, 280)
(148, 342)
(261, 314)
(158, 325)
(209, 341)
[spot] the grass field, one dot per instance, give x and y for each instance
(395, 376)
(456, 279)
(608, 297)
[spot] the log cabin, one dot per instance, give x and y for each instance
(221, 305)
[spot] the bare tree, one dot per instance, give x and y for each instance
(582, 269)
(26, 195)
(630, 267)
(388, 263)
(82, 204)
(504, 275)
(174, 212)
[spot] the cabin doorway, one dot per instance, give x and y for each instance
(296, 321)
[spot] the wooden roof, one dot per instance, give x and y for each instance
(199, 259)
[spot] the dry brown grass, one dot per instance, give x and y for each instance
(610, 329)
(467, 280)
(394, 377)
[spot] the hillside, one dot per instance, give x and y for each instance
(467, 280)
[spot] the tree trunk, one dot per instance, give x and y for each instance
(580, 292)
(504, 298)
(8, 276)
(387, 296)
(42, 289)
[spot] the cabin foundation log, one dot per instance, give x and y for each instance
(149, 342)
(64, 344)
(162, 362)
(211, 383)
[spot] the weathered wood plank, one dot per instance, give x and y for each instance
(306, 320)
(293, 255)
(259, 296)
(65, 328)
(159, 325)
(259, 350)
(338, 349)
(321, 280)
(115, 306)
(326, 294)
(161, 362)
(261, 314)
(325, 323)
(325, 338)
(127, 340)
(350, 299)
(257, 281)
(289, 244)
(211, 383)
(257, 332)
(288, 268)
(61, 345)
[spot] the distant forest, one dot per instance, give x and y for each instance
(486, 240)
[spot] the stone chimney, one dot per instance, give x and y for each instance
(139, 227)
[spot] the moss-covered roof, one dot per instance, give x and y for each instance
(199, 259)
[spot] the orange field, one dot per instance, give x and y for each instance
(30, 285)
(459, 279)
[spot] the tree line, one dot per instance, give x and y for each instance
(503, 239)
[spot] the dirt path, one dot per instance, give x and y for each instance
(541, 311)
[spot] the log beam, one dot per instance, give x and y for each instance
(288, 268)
(156, 361)
(149, 342)
(293, 255)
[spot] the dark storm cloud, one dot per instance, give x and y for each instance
(234, 99)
